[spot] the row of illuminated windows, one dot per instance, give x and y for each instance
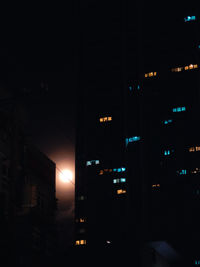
(190, 149)
(177, 69)
(187, 67)
(132, 139)
(155, 186)
(105, 119)
(179, 109)
(121, 191)
(101, 172)
(81, 242)
(130, 87)
(189, 18)
(184, 172)
(92, 162)
(150, 74)
(119, 180)
(194, 148)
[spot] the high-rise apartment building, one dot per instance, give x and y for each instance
(138, 145)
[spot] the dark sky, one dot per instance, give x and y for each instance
(38, 44)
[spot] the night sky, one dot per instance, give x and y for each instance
(39, 48)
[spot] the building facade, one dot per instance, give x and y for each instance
(27, 192)
(137, 128)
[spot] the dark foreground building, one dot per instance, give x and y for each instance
(27, 192)
(138, 144)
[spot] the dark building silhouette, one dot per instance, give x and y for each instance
(27, 191)
(137, 149)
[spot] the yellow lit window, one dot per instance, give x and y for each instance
(195, 66)
(121, 191)
(155, 185)
(110, 170)
(109, 118)
(178, 69)
(105, 170)
(186, 67)
(191, 149)
(191, 66)
(105, 119)
(82, 220)
(80, 242)
(101, 119)
(150, 74)
(197, 148)
(101, 172)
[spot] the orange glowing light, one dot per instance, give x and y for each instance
(66, 176)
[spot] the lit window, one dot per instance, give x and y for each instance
(90, 162)
(191, 66)
(196, 170)
(110, 170)
(155, 185)
(150, 74)
(119, 180)
(178, 69)
(130, 87)
(121, 191)
(81, 220)
(182, 172)
(81, 242)
(100, 172)
(188, 67)
(167, 121)
(189, 18)
(132, 139)
(120, 169)
(197, 262)
(179, 109)
(193, 149)
(168, 152)
(138, 87)
(104, 119)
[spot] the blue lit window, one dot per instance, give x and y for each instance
(179, 109)
(182, 172)
(120, 170)
(130, 88)
(168, 152)
(189, 18)
(197, 262)
(132, 139)
(167, 121)
(119, 180)
(138, 87)
(90, 162)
